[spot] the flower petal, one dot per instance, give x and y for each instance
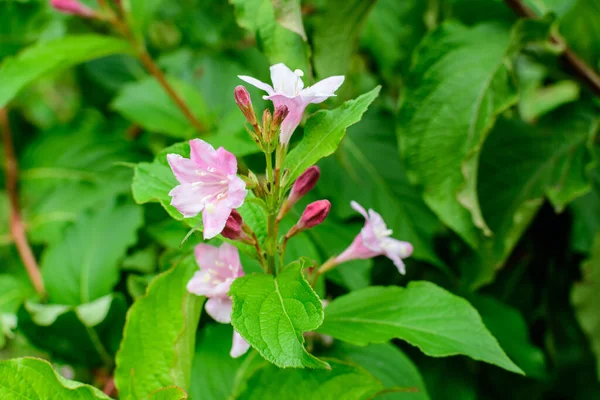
(396, 250)
(202, 153)
(229, 255)
(206, 256)
(326, 87)
(220, 309)
(237, 192)
(185, 199)
(214, 217)
(200, 283)
(239, 346)
(226, 161)
(357, 207)
(285, 81)
(357, 250)
(256, 83)
(184, 169)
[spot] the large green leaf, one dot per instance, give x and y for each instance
(168, 393)
(585, 297)
(147, 104)
(42, 58)
(272, 313)
(388, 364)
(323, 132)
(335, 34)
(34, 378)
(580, 26)
(14, 290)
(84, 266)
(344, 381)
(425, 315)
(87, 334)
(460, 82)
(158, 340)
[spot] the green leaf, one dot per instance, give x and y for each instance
(84, 266)
(168, 393)
(14, 290)
(344, 381)
(87, 334)
(585, 297)
(166, 317)
(140, 14)
(289, 15)
(271, 313)
(147, 104)
(323, 132)
(425, 315)
(34, 378)
(580, 26)
(388, 364)
(43, 58)
(460, 82)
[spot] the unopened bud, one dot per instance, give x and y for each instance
(73, 7)
(244, 102)
(314, 214)
(266, 122)
(304, 184)
(233, 226)
(280, 113)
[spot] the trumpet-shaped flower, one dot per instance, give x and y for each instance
(219, 267)
(208, 184)
(374, 240)
(288, 89)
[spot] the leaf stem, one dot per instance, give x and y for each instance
(17, 227)
(579, 67)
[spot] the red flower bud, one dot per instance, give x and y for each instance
(304, 184)
(73, 7)
(244, 102)
(280, 113)
(314, 214)
(233, 226)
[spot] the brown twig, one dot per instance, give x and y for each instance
(17, 228)
(579, 67)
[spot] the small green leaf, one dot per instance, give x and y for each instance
(43, 58)
(169, 393)
(34, 378)
(344, 381)
(167, 318)
(271, 313)
(323, 132)
(84, 266)
(425, 315)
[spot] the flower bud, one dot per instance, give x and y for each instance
(280, 113)
(266, 124)
(304, 184)
(244, 102)
(314, 214)
(73, 7)
(233, 226)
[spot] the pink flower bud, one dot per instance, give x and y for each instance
(73, 7)
(233, 226)
(314, 214)
(304, 184)
(244, 102)
(280, 113)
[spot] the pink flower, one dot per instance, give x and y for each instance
(72, 7)
(374, 240)
(304, 184)
(288, 89)
(208, 184)
(314, 214)
(219, 267)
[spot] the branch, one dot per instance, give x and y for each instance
(579, 67)
(17, 228)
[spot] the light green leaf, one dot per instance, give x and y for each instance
(167, 317)
(585, 298)
(168, 393)
(140, 14)
(425, 315)
(344, 381)
(14, 290)
(460, 82)
(387, 363)
(87, 334)
(34, 378)
(46, 57)
(147, 104)
(84, 266)
(335, 34)
(323, 132)
(271, 313)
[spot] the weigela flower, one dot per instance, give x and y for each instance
(219, 267)
(374, 240)
(208, 184)
(314, 214)
(288, 89)
(304, 184)
(73, 7)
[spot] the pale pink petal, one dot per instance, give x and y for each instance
(325, 88)
(396, 250)
(226, 161)
(289, 124)
(220, 309)
(185, 199)
(357, 250)
(214, 218)
(237, 192)
(239, 346)
(229, 254)
(184, 169)
(202, 153)
(206, 256)
(285, 81)
(255, 82)
(358, 208)
(200, 283)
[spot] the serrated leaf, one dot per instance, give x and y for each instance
(425, 315)
(271, 313)
(43, 58)
(34, 378)
(323, 132)
(87, 334)
(84, 266)
(167, 318)
(344, 381)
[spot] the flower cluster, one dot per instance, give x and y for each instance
(209, 185)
